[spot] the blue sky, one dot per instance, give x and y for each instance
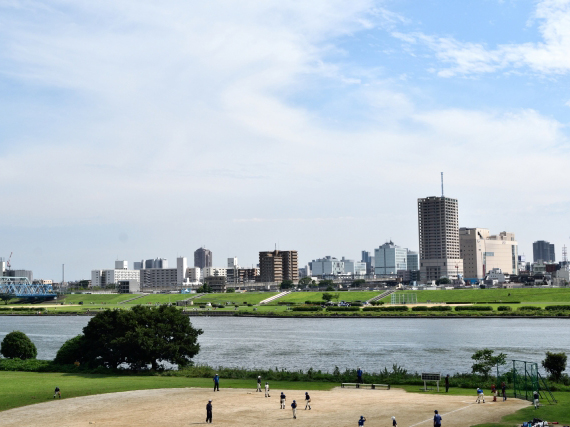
(146, 129)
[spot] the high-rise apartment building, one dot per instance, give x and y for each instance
(543, 251)
(202, 258)
(276, 266)
(482, 252)
(438, 227)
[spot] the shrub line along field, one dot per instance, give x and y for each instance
(532, 295)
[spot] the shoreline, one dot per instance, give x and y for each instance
(302, 316)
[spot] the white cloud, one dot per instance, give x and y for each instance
(549, 56)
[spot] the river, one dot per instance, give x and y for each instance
(422, 345)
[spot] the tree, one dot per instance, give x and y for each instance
(327, 297)
(555, 364)
(17, 345)
(71, 351)
(305, 281)
(230, 290)
(205, 289)
(286, 284)
(5, 297)
(139, 337)
(443, 281)
(330, 288)
(485, 360)
(358, 283)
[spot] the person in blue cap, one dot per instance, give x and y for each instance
(436, 419)
(480, 395)
(359, 376)
(294, 407)
(361, 420)
(283, 399)
(209, 412)
(216, 382)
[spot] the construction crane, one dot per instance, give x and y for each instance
(8, 262)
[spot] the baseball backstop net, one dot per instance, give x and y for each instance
(526, 380)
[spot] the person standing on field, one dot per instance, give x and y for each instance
(504, 391)
(294, 408)
(359, 376)
(480, 395)
(307, 401)
(209, 412)
(447, 383)
(535, 395)
(436, 419)
(361, 420)
(394, 423)
(283, 399)
(259, 383)
(216, 382)
(267, 390)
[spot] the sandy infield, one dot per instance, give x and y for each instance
(239, 407)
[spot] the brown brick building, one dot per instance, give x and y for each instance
(276, 266)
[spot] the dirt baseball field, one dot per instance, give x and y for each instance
(239, 407)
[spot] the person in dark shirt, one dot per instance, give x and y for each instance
(307, 400)
(209, 412)
(535, 396)
(447, 383)
(359, 376)
(259, 383)
(394, 423)
(294, 408)
(436, 419)
(504, 391)
(216, 382)
(283, 398)
(361, 420)
(57, 393)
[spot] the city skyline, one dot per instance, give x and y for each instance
(314, 126)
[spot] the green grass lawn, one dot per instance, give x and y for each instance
(240, 298)
(301, 297)
(97, 298)
(26, 388)
(554, 296)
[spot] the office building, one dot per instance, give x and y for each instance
(276, 266)
(157, 279)
(369, 260)
(214, 272)
(389, 258)
(438, 229)
(413, 260)
(202, 258)
(543, 251)
(121, 273)
(482, 252)
(327, 266)
(242, 275)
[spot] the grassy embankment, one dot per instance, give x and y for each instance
(248, 302)
(26, 388)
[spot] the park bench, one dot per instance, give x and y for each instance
(370, 386)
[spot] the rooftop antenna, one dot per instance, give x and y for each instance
(442, 185)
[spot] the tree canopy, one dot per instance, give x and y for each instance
(17, 345)
(138, 338)
(485, 360)
(555, 364)
(286, 284)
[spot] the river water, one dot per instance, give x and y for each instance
(422, 345)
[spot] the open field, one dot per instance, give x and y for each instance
(240, 298)
(242, 406)
(159, 298)
(548, 295)
(301, 297)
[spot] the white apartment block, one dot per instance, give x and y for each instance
(482, 252)
(327, 266)
(121, 272)
(214, 272)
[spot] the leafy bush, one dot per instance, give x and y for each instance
(434, 308)
(306, 308)
(377, 303)
(529, 308)
(356, 304)
(557, 307)
(474, 308)
(388, 308)
(17, 345)
(70, 351)
(504, 308)
(555, 364)
(334, 308)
